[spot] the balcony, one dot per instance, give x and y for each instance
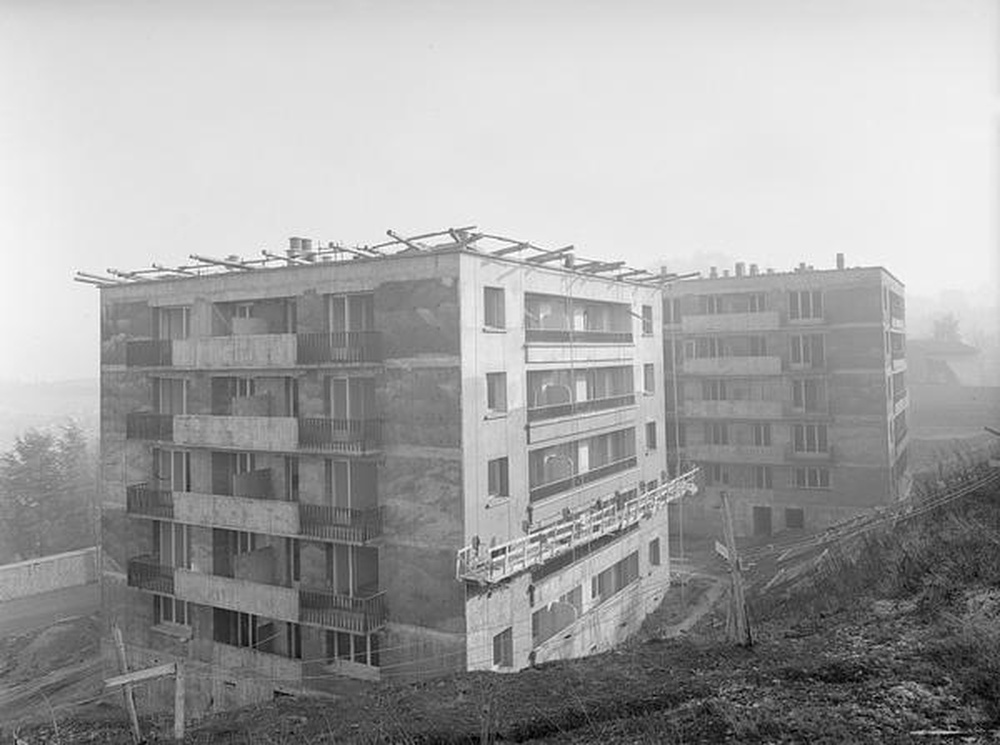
(236, 432)
(571, 482)
(140, 499)
(772, 454)
(141, 425)
(243, 595)
(809, 456)
(358, 615)
(340, 524)
(240, 351)
(147, 573)
(149, 353)
(253, 514)
(341, 347)
(576, 336)
(730, 322)
(572, 408)
(733, 409)
(733, 366)
(495, 564)
(340, 435)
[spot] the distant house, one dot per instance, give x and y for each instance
(944, 362)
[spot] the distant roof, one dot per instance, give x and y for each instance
(940, 347)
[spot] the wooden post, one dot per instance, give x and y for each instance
(179, 702)
(742, 623)
(127, 688)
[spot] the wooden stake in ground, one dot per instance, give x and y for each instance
(129, 698)
(152, 673)
(739, 608)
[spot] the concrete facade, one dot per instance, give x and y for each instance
(294, 459)
(790, 394)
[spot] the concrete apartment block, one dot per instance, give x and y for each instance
(789, 392)
(399, 465)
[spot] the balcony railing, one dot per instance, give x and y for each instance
(571, 482)
(340, 523)
(490, 565)
(577, 336)
(149, 353)
(343, 435)
(140, 499)
(570, 408)
(806, 455)
(147, 573)
(358, 615)
(140, 425)
(339, 346)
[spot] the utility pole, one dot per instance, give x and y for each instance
(741, 635)
(126, 687)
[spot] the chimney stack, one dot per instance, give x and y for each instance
(294, 247)
(725, 272)
(713, 272)
(840, 261)
(770, 270)
(802, 266)
(568, 260)
(740, 268)
(307, 250)
(753, 270)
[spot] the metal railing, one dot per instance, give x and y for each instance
(341, 524)
(149, 353)
(551, 411)
(344, 435)
(140, 499)
(339, 346)
(579, 336)
(490, 565)
(141, 425)
(147, 573)
(571, 482)
(805, 455)
(359, 615)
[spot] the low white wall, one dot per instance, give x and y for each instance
(47, 573)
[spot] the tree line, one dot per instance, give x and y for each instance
(48, 493)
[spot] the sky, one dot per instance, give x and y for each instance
(768, 131)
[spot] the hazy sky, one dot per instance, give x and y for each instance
(774, 132)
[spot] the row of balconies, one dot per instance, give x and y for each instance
(314, 606)
(758, 454)
(257, 514)
(283, 434)
(257, 350)
(702, 409)
(571, 482)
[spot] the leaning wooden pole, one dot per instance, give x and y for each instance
(743, 635)
(127, 688)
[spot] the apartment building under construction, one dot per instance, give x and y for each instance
(440, 453)
(789, 390)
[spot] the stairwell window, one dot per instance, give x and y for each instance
(496, 393)
(503, 648)
(494, 311)
(654, 552)
(649, 378)
(497, 478)
(650, 435)
(647, 320)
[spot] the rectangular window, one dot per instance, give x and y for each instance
(615, 578)
(711, 304)
(496, 392)
(794, 518)
(503, 648)
(649, 378)
(715, 474)
(762, 434)
(713, 390)
(173, 323)
(647, 320)
(650, 435)
(811, 478)
(717, 433)
(172, 469)
(497, 478)
(167, 609)
(808, 350)
(808, 395)
(757, 302)
(494, 311)
(758, 346)
(707, 347)
(171, 544)
(672, 310)
(805, 304)
(809, 438)
(762, 477)
(654, 552)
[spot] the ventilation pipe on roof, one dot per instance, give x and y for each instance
(294, 247)
(740, 268)
(840, 261)
(725, 272)
(753, 270)
(713, 272)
